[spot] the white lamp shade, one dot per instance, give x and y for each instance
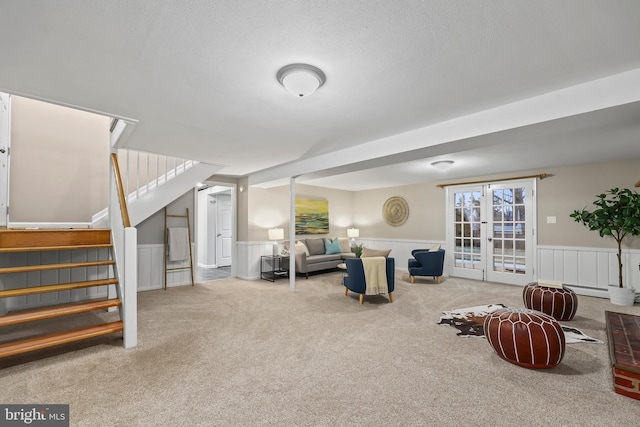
(442, 165)
(301, 83)
(301, 79)
(276, 234)
(353, 232)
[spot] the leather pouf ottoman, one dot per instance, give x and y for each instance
(525, 337)
(559, 303)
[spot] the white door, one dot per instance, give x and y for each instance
(491, 231)
(5, 134)
(224, 230)
(510, 228)
(466, 239)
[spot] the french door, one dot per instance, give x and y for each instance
(490, 231)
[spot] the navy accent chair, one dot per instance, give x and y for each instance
(354, 281)
(426, 263)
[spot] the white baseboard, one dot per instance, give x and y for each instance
(43, 225)
(207, 266)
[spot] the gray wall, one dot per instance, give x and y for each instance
(151, 230)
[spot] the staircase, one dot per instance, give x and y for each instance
(70, 301)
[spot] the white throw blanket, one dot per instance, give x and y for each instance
(375, 274)
(178, 244)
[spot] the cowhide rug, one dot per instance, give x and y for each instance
(469, 321)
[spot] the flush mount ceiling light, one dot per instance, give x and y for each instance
(301, 79)
(442, 165)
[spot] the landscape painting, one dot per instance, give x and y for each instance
(312, 216)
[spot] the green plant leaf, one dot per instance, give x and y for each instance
(617, 214)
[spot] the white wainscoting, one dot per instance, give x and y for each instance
(248, 265)
(588, 271)
(401, 249)
(151, 269)
(248, 258)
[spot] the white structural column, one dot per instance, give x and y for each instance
(130, 288)
(292, 235)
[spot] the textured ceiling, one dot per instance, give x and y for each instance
(199, 77)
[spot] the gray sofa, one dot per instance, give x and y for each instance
(318, 259)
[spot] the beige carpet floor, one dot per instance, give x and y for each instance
(252, 353)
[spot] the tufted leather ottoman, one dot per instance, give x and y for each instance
(525, 337)
(560, 303)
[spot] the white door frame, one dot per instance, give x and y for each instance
(221, 234)
(526, 238)
(234, 206)
(483, 253)
(476, 273)
(5, 144)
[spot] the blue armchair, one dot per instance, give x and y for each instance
(426, 263)
(355, 281)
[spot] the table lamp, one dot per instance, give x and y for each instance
(353, 233)
(276, 234)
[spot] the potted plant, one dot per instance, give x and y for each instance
(617, 214)
(357, 249)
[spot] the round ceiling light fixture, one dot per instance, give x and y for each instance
(442, 165)
(301, 79)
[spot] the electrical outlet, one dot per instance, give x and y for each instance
(551, 220)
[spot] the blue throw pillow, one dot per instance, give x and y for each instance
(332, 246)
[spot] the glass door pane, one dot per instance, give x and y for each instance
(490, 232)
(467, 243)
(511, 238)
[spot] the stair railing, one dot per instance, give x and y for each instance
(145, 172)
(125, 248)
(142, 173)
(124, 210)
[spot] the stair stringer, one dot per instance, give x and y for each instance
(153, 201)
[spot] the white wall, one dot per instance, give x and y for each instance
(59, 163)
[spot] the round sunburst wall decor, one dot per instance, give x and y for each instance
(395, 211)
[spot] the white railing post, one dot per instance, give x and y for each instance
(124, 242)
(126, 173)
(137, 174)
(130, 288)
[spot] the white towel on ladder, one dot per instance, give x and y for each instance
(178, 244)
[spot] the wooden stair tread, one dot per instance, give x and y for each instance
(51, 340)
(57, 311)
(42, 267)
(54, 288)
(54, 248)
(13, 239)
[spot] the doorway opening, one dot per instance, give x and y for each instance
(215, 231)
